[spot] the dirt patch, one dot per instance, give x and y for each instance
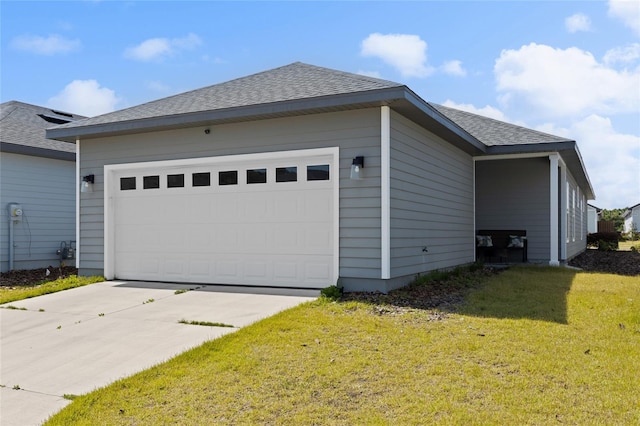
(613, 262)
(26, 277)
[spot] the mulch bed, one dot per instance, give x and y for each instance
(613, 262)
(32, 276)
(419, 297)
(442, 297)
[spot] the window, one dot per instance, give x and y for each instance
(228, 178)
(257, 176)
(175, 181)
(127, 183)
(201, 179)
(286, 174)
(318, 172)
(151, 182)
(568, 220)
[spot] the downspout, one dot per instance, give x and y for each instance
(11, 254)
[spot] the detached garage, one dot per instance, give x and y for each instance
(299, 177)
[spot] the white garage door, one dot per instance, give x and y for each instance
(264, 219)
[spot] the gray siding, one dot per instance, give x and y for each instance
(355, 132)
(431, 201)
(577, 219)
(514, 194)
(46, 190)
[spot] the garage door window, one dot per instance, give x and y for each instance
(175, 181)
(201, 179)
(257, 176)
(127, 183)
(151, 182)
(286, 174)
(228, 178)
(318, 172)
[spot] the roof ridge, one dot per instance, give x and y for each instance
(293, 82)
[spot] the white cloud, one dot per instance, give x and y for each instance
(612, 160)
(454, 68)
(85, 97)
(160, 48)
(405, 52)
(628, 11)
(567, 82)
(486, 111)
(51, 45)
(577, 22)
(624, 55)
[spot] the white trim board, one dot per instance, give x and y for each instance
(385, 192)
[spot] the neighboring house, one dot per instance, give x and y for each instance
(593, 216)
(303, 176)
(37, 177)
(631, 218)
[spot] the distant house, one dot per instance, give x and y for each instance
(37, 187)
(632, 219)
(303, 176)
(593, 216)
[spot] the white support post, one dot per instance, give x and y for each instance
(554, 212)
(78, 180)
(385, 192)
(564, 199)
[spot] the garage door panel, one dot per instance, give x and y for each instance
(270, 234)
(200, 270)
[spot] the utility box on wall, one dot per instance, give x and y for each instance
(15, 212)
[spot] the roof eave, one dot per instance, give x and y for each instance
(399, 98)
(211, 117)
(37, 152)
(448, 129)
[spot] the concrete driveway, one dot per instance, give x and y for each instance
(75, 341)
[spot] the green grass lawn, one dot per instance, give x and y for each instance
(529, 346)
(11, 294)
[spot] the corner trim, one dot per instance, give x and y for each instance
(385, 192)
(77, 156)
(554, 237)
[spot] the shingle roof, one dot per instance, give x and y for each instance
(496, 133)
(291, 82)
(24, 125)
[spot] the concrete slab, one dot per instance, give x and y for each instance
(75, 341)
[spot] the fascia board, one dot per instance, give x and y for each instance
(450, 125)
(293, 107)
(37, 152)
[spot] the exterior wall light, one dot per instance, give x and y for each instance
(87, 183)
(356, 168)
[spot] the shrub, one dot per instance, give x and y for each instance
(332, 292)
(607, 245)
(603, 240)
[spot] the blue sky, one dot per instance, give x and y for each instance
(569, 68)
